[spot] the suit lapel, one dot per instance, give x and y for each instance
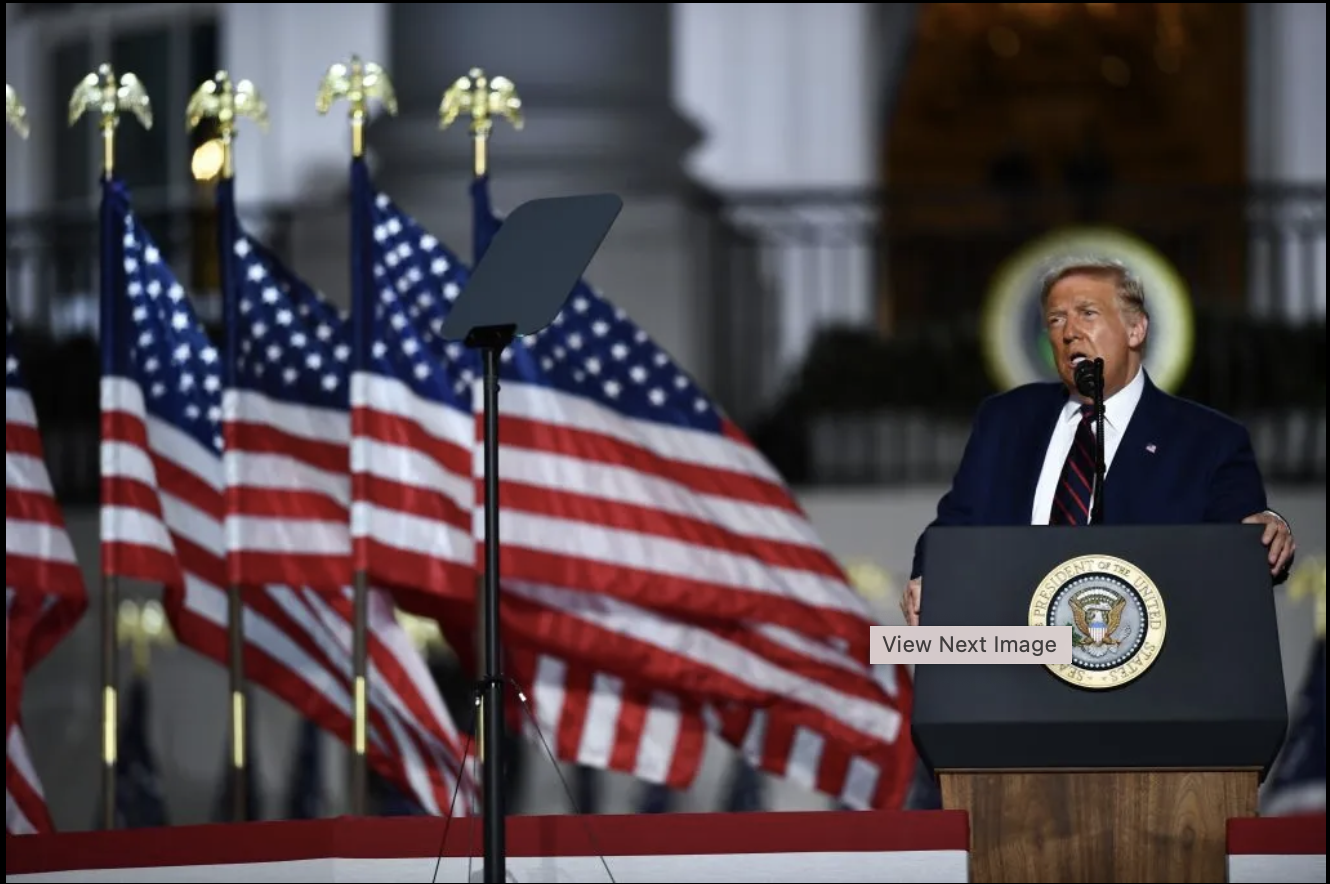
(1034, 449)
(1127, 483)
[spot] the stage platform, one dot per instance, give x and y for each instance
(916, 846)
(772, 846)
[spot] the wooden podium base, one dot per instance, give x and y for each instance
(1099, 826)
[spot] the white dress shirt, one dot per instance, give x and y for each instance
(1118, 410)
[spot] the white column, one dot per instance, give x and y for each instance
(1286, 145)
(783, 91)
(787, 95)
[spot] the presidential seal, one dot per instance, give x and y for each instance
(1116, 615)
(1015, 336)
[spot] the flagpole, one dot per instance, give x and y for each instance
(102, 92)
(220, 100)
(485, 98)
(359, 83)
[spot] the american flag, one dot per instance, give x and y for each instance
(287, 437)
(1296, 784)
(39, 557)
(412, 430)
(45, 595)
(164, 482)
(692, 563)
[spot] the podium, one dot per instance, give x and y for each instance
(1128, 763)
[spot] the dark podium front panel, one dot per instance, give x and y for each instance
(1210, 695)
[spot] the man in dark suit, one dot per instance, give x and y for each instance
(1167, 460)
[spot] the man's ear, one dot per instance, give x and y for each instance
(1137, 331)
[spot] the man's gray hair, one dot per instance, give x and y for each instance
(1131, 291)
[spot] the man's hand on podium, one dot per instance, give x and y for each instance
(910, 601)
(1278, 538)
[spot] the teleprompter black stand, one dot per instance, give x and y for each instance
(519, 286)
(1123, 775)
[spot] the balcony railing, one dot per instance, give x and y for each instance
(849, 329)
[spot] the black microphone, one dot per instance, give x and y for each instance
(1089, 377)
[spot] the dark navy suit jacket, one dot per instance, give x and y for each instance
(1178, 463)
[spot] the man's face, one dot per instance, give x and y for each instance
(1084, 321)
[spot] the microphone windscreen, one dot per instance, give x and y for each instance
(1085, 378)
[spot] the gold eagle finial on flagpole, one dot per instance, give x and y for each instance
(359, 82)
(227, 102)
(104, 93)
(485, 98)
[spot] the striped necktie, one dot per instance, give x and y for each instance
(1071, 502)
